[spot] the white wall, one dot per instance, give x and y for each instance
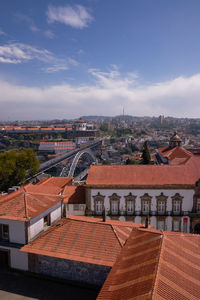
(56, 214)
(18, 260)
(37, 224)
(16, 230)
(75, 209)
(186, 194)
(187, 203)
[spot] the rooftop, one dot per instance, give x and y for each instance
(155, 265)
(59, 182)
(83, 239)
(24, 205)
(138, 176)
(176, 153)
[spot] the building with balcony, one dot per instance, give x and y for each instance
(167, 192)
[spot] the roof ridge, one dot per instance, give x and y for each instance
(158, 264)
(25, 202)
(88, 221)
(39, 193)
(116, 235)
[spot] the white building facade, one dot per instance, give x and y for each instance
(167, 209)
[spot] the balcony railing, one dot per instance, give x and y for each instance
(143, 213)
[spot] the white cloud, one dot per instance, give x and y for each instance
(55, 68)
(106, 96)
(21, 52)
(17, 53)
(76, 16)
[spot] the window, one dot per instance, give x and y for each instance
(176, 207)
(130, 204)
(177, 204)
(176, 225)
(47, 220)
(4, 232)
(146, 203)
(99, 207)
(114, 207)
(98, 204)
(145, 208)
(161, 204)
(114, 204)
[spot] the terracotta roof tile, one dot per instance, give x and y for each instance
(83, 239)
(144, 175)
(60, 182)
(155, 265)
(134, 272)
(176, 153)
(21, 205)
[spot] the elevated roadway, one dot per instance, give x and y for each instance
(65, 156)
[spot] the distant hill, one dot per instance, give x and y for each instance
(94, 118)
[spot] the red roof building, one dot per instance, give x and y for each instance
(155, 265)
(76, 246)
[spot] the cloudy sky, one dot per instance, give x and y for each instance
(67, 58)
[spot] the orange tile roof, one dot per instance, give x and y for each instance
(155, 265)
(176, 153)
(43, 189)
(74, 194)
(60, 182)
(83, 239)
(145, 175)
(21, 205)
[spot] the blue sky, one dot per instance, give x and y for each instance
(63, 59)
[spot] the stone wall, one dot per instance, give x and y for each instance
(70, 270)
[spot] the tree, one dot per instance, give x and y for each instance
(105, 162)
(146, 158)
(14, 167)
(131, 162)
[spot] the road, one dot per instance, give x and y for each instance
(17, 286)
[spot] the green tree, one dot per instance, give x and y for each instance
(14, 167)
(105, 162)
(131, 162)
(104, 127)
(146, 158)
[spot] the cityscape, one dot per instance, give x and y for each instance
(99, 150)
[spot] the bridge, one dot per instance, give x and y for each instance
(73, 156)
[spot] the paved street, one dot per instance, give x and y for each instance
(14, 286)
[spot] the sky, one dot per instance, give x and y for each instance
(60, 59)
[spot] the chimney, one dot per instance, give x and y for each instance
(104, 215)
(146, 222)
